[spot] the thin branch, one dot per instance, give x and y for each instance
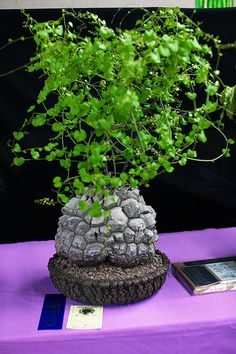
(217, 157)
(15, 41)
(14, 70)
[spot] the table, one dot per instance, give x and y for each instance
(170, 322)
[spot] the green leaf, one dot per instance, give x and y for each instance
(164, 51)
(85, 177)
(202, 137)
(150, 37)
(123, 176)
(231, 141)
(57, 127)
(63, 198)
(183, 161)
(95, 209)
(31, 108)
(168, 169)
(116, 182)
(83, 109)
(133, 182)
(202, 74)
(78, 149)
(18, 161)
(95, 213)
(211, 106)
(60, 153)
(57, 182)
(35, 154)
(39, 120)
(191, 153)
(50, 146)
(174, 46)
(104, 124)
(16, 148)
(51, 156)
(131, 171)
(80, 135)
(211, 88)
(144, 175)
(78, 184)
(106, 32)
(191, 95)
(18, 135)
(155, 56)
(226, 152)
(107, 214)
(83, 205)
(228, 98)
(152, 174)
(59, 30)
(189, 139)
(65, 163)
(143, 157)
(204, 123)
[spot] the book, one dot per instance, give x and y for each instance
(207, 275)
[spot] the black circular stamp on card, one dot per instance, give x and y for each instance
(86, 311)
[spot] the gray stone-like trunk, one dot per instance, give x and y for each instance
(126, 238)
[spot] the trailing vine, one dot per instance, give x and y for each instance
(117, 117)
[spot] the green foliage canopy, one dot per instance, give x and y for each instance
(118, 117)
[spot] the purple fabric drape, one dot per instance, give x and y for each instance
(170, 322)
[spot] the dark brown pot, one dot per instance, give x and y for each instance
(106, 283)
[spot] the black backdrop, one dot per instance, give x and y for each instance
(197, 196)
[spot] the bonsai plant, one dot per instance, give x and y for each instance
(112, 101)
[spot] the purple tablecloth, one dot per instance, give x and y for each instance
(170, 322)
